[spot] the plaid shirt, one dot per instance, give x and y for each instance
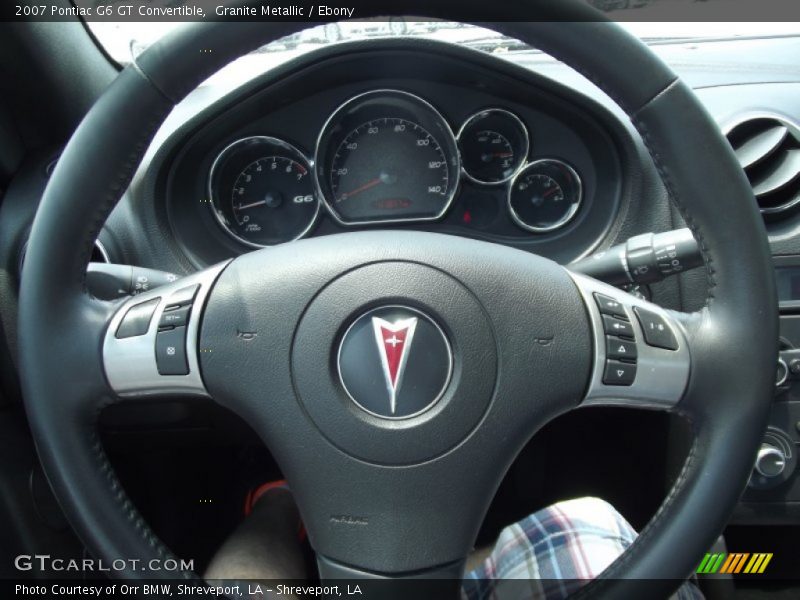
(555, 551)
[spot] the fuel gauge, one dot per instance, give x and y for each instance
(545, 196)
(494, 145)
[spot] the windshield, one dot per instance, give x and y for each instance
(124, 40)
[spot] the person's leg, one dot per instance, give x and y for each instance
(547, 555)
(555, 551)
(265, 545)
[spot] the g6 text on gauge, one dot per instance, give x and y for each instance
(262, 191)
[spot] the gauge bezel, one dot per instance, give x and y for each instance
(274, 142)
(518, 122)
(567, 217)
(320, 171)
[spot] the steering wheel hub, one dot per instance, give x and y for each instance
(394, 362)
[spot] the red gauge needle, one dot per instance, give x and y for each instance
(550, 191)
(502, 154)
(363, 188)
(251, 205)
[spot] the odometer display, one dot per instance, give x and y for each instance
(386, 157)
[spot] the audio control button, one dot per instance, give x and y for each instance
(619, 373)
(171, 352)
(620, 349)
(614, 326)
(656, 330)
(609, 306)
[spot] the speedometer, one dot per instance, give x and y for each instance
(387, 156)
(388, 167)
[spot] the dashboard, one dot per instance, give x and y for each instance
(514, 149)
(431, 136)
(418, 134)
(400, 137)
(388, 156)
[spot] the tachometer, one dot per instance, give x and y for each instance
(262, 191)
(387, 156)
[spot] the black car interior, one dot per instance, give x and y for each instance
(142, 175)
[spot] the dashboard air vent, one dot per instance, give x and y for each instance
(768, 148)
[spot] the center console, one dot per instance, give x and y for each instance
(773, 492)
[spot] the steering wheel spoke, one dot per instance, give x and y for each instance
(150, 347)
(641, 351)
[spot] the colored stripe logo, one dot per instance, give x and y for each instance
(737, 562)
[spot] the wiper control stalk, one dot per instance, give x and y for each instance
(108, 281)
(643, 259)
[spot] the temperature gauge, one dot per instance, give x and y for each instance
(544, 196)
(494, 145)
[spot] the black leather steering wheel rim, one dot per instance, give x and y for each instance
(61, 326)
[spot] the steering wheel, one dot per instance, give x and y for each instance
(493, 343)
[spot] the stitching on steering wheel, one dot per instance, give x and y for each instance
(661, 169)
(619, 564)
(121, 182)
(682, 208)
(124, 502)
(613, 570)
(104, 207)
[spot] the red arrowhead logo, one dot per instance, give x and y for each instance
(394, 342)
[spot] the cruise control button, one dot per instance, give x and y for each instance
(656, 330)
(137, 320)
(620, 349)
(609, 306)
(619, 373)
(171, 352)
(183, 296)
(176, 317)
(615, 326)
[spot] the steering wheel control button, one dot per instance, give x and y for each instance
(619, 373)
(656, 330)
(609, 306)
(136, 321)
(615, 326)
(395, 362)
(620, 349)
(175, 317)
(171, 352)
(183, 296)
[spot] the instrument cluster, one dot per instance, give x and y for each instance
(383, 157)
